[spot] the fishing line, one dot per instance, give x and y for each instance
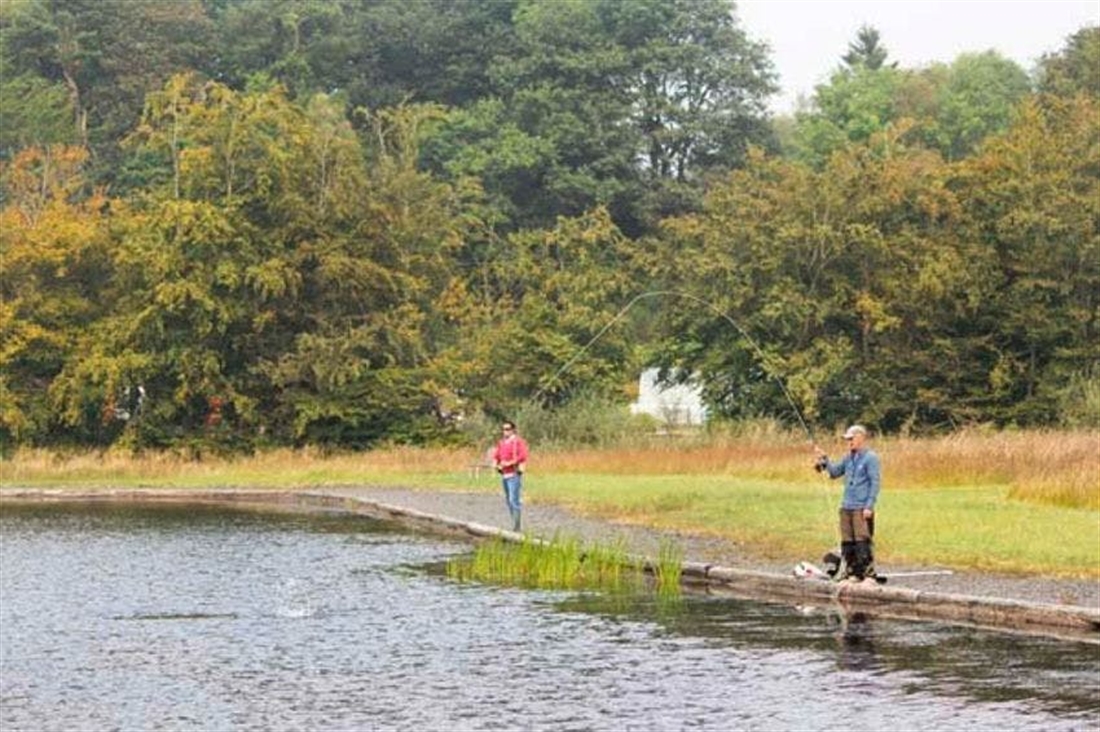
(700, 301)
(827, 494)
(831, 498)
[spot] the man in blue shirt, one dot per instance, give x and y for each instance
(862, 473)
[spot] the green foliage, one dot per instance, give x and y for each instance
(1076, 68)
(292, 251)
(565, 563)
(589, 90)
(893, 288)
(1079, 400)
(978, 99)
(432, 51)
(856, 104)
(481, 143)
(949, 108)
(53, 245)
(291, 41)
(255, 292)
(585, 421)
(105, 54)
(33, 113)
(543, 296)
(1033, 202)
(866, 51)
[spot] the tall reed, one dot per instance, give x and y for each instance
(566, 563)
(670, 559)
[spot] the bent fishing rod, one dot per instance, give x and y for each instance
(700, 301)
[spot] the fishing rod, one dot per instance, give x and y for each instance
(699, 301)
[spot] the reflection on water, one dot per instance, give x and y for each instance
(135, 618)
(950, 660)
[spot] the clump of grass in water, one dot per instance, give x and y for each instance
(667, 569)
(565, 563)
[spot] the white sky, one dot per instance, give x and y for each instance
(808, 37)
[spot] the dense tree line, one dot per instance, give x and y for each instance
(242, 222)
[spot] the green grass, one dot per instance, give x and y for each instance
(960, 527)
(950, 525)
(981, 528)
(565, 564)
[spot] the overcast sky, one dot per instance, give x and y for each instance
(808, 37)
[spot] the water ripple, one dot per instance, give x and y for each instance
(201, 619)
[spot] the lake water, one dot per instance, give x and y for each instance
(189, 618)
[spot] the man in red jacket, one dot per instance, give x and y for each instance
(510, 459)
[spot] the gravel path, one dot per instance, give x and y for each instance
(546, 520)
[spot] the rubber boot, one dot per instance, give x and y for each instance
(515, 521)
(866, 558)
(862, 554)
(848, 553)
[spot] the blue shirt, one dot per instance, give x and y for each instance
(862, 478)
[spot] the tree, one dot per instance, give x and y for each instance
(977, 99)
(482, 143)
(698, 84)
(304, 45)
(1075, 69)
(852, 107)
(33, 113)
(836, 282)
(866, 52)
(546, 295)
(861, 99)
(53, 244)
(1033, 204)
(362, 369)
(431, 51)
(377, 54)
(278, 281)
(949, 108)
(203, 280)
(106, 54)
(898, 288)
(634, 103)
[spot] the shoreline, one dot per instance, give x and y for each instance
(1037, 605)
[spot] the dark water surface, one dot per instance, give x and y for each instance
(145, 618)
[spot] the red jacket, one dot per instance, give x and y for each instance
(510, 452)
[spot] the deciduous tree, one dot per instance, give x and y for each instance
(54, 249)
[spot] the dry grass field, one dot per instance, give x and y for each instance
(1054, 468)
(1005, 501)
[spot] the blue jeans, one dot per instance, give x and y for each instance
(513, 485)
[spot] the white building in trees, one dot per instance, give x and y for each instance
(676, 404)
